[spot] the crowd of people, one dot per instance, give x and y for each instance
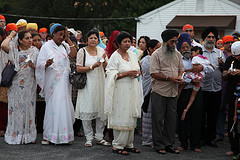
(181, 86)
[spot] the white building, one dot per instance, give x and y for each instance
(199, 13)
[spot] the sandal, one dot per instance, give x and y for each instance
(88, 144)
(2, 133)
(120, 151)
(161, 151)
(103, 142)
(133, 150)
(80, 134)
(172, 150)
(230, 153)
(45, 142)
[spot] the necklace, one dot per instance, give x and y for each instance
(124, 55)
(92, 52)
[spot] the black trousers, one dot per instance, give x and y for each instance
(163, 120)
(211, 105)
(191, 125)
(233, 136)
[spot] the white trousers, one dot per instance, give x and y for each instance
(88, 130)
(123, 139)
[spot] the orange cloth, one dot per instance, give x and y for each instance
(101, 33)
(220, 41)
(42, 30)
(187, 26)
(227, 38)
(11, 26)
(2, 17)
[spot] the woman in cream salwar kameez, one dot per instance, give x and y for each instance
(52, 74)
(124, 97)
(90, 100)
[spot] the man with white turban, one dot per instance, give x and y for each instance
(232, 74)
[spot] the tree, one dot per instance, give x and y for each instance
(81, 9)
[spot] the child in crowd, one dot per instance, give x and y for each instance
(197, 59)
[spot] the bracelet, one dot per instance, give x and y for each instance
(91, 67)
(71, 46)
(166, 78)
(121, 75)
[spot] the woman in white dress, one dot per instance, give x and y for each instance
(21, 128)
(124, 95)
(90, 100)
(52, 73)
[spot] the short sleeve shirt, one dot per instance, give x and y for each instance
(160, 63)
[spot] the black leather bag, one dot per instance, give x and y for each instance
(8, 74)
(78, 80)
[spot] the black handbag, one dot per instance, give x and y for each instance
(8, 74)
(78, 80)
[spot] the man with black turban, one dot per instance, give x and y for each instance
(211, 85)
(166, 69)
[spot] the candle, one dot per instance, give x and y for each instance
(182, 75)
(231, 68)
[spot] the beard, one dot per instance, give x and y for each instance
(186, 54)
(209, 44)
(169, 51)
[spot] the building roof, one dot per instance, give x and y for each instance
(201, 22)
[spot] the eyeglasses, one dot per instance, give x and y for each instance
(173, 41)
(183, 47)
(210, 37)
(229, 42)
(188, 30)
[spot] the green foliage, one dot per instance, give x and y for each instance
(82, 9)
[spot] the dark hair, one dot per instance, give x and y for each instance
(49, 35)
(150, 44)
(146, 38)
(93, 31)
(36, 34)
(122, 35)
(59, 28)
(196, 48)
(2, 33)
(21, 35)
(73, 39)
(237, 34)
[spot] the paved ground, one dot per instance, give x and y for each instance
(77, 151)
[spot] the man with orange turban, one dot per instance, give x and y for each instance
(102, 35)
(2, 21)
(190, 30)
(43, 33)
(10, 27)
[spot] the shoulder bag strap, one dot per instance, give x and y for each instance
(84, 57)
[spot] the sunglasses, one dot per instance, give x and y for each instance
(210, 37)
(188, 30)
(173, 41)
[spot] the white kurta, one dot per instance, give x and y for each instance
(124, 97)
(56, 88)
(90, 100)
(21, 126)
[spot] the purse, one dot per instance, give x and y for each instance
(8, 74)
(78, 80)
